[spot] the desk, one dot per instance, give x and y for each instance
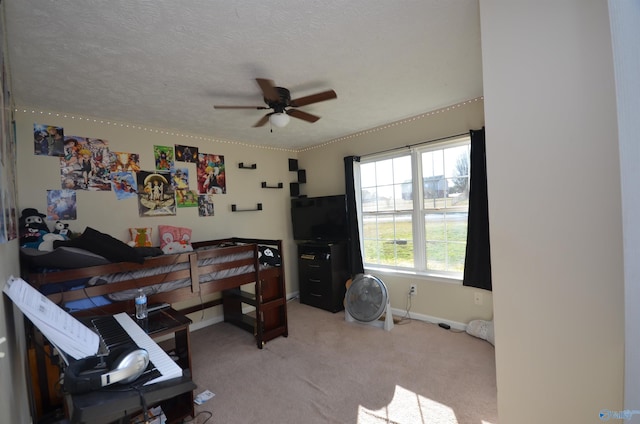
(116, 404)
(176, 395)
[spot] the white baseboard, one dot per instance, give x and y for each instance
(396, 312)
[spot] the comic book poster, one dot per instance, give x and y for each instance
(85, 164)
(3, 224)
(122, 161)
(156, 196)
(124, 184)
(10, 222)
(187, 199)
(48, 140)
(61, 205)
(186, 153)
(180, 183)
(211, 174)
(205, 205)
(164, 157)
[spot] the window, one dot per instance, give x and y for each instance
(414, 207)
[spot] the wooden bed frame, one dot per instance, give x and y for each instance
(268, 321)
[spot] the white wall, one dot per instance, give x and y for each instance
(440, 300)
(102, 211)
(625, 15)
(14, 401)
(555, 209)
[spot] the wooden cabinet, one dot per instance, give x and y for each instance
(322, 269)
(268, 319)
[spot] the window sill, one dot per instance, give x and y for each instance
(431, 276)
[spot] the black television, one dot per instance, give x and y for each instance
(320, 218)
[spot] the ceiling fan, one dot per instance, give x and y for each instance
(279, 99)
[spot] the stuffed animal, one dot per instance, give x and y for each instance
(46, 245)
(32, 227)
(63, 229)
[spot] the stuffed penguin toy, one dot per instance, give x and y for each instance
(32, 228)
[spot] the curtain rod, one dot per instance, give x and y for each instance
(409, 146)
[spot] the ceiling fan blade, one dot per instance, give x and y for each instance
(239, 107)
(268, 88)
(314, 98)
(302, 115)
(262, 121)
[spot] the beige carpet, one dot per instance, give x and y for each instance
(331, 371)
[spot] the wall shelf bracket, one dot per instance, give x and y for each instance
(264, 185)
(235, 209)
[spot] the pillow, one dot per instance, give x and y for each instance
(174, 239)
(140, 237)
(104, 245)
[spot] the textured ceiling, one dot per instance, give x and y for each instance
(165, 63)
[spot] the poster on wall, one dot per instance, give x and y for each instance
(186, 153)
(61, 205)
(164, 157)
(187, 199)
(123, 161)
(156, 196)
(124, 184)
(85, 164)
(3, 224)
(9, 184)
(48, 140)
(8, 191)
(211, 174)
(205, 205)
(180, 183)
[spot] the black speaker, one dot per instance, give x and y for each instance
(121, 366)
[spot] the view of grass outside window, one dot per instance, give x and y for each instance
(427, 232)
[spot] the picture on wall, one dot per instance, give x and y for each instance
(211, 174)
(187, 199)
(205, 205)
(122, 161)
(61, 205)
(85, 165)
(180, 183)
(8, 186)
(48, 140)
(11, 223)
(186, 153)
(156, 196)
(3, 223)
(124, 184)
(164, 157)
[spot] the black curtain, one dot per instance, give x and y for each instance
(477, 265)
(353, 249)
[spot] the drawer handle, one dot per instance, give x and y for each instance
(313, 280)
(316, 295)
(314, 266)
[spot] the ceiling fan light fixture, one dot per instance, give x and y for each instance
(279, 120)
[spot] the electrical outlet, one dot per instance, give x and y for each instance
(413, 290)
(477, 298)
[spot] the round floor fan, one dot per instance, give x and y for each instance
(366, 300)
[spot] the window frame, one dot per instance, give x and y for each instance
(418, 213)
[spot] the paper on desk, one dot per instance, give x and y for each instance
(58, 326)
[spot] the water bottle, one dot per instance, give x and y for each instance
(141, 305)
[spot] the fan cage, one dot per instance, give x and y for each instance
(366, 298)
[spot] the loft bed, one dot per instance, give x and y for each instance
(214, 266)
